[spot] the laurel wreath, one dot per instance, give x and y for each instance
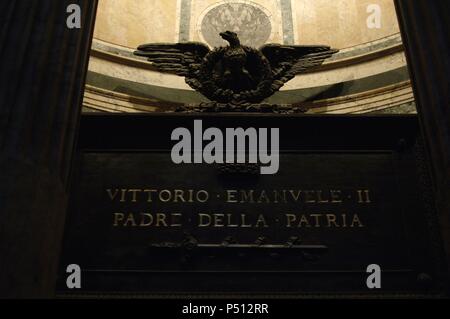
(212, 90)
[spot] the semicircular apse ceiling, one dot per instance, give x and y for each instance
(368, 75)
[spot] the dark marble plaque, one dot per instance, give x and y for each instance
(340, 202)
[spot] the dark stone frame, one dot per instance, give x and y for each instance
(424, 26)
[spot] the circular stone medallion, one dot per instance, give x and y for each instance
(250, 23)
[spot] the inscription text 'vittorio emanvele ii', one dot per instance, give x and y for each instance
(139, 222)
(309, 215)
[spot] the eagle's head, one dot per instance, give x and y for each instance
(231, 37)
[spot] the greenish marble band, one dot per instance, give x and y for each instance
(289, 97)
(288, 22)
(185, 20)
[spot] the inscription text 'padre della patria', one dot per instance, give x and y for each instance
(308, 215)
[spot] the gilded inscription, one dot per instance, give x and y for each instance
(310, 214)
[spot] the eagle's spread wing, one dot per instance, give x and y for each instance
(289, 60)
(183, 59)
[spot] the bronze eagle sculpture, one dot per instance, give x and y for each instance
(235, 74)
